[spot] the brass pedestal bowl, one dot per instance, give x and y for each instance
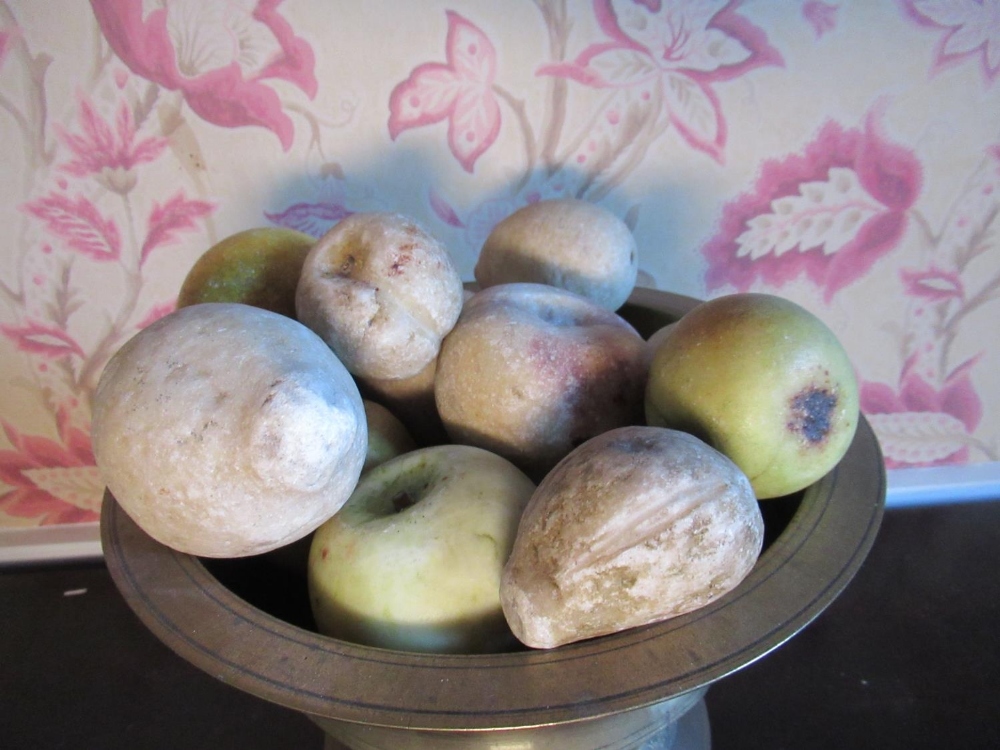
(246, 622)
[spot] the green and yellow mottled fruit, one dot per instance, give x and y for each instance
(258, 267)
(762, 380)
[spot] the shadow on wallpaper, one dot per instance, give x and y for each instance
(748, 148)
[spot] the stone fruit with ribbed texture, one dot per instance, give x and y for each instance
(637, 525)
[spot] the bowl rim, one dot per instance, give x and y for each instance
(794, 580)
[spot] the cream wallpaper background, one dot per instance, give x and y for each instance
(845, 154)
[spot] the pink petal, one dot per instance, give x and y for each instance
(470, 53)
(879, 398)
(427, 96)
(596, 65)
(473, 126)
(875, 238)
(298, 62)
(890, 173)
(222, 97)
(696, 113)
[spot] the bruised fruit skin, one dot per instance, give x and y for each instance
(531, 371)
(764, 381)
(381, 292)
(636, 525)
(258, 267)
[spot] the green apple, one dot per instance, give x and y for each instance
(413, 560)
(762, 380)
(258, 267)
(387, 436)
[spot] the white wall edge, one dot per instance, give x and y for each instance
(79, 541)
(943, 484)
(906, 487)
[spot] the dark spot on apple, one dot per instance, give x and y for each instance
(811, 412)
(324, 553)
(402, 501)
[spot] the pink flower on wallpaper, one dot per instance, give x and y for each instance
(79, 223)
(828, 213)
(218, 55)
(459, 91)
(821, 16)
(52, 481)
(920, 425)
(108, 151)
(683, 48)
(968, 28)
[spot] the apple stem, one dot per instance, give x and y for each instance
(402, 501)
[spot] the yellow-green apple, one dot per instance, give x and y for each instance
(387, 436)
(531, 371)
(763, 380)
(258, 267)
(413, 560)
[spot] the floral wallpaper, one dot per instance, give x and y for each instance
(845, 154)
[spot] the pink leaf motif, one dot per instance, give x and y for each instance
(156, 312)
(314, 219)
(79, 224)
(919, 438)
(935, 284)
(5, 39)
(821, 16)
(862, 186)
(443, 209)
(460, 90)
(177, 214)
(970, 30)
(99, 147)
(38, 338)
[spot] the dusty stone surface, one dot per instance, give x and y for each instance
(635, 526)
(567, 243)
(226, 430)
(382, 292)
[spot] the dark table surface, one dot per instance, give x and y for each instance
(907, 657)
